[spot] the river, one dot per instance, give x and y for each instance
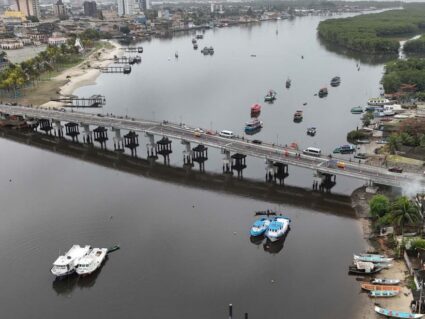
(185, 252)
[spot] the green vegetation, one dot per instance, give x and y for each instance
(367, 118)
(411, 133)
(406, 77)
(374, 33)
(356, 135)
(415, 46)
(399, 213)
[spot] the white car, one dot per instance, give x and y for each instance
(227, 134)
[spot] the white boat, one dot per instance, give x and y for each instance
(373, 258)
(396, 314)
(65, 265)
(378, 101)
(278, 227)
(91, 262)
(383, 281)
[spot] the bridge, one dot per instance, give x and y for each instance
(272, 154)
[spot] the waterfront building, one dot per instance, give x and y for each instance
(29, 7)
(11, 44)
(90, 8)
(126, 7)
(59, 10)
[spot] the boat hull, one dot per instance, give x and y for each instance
(396, 314)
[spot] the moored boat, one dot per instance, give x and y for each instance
(311, 131)
(255, 109)
(260, 226)
(383, 281)
(253, 125)
(356, 110)
(373, 258)
(363, 268)
(298, 116)
(65, 265)
(271, 96)
(323, 92)
(378, 101)
(91, 262)
(288, 83)
(383, 293)
(370, 287)
(396, 314)
(278, 227)
(336, 80)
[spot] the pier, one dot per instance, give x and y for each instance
(75, 101)
(277, 158)
(126, 69)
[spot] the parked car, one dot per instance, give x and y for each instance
(227, 134)
(198, 132)
(360, 156)
(257, 142)
(395, 169)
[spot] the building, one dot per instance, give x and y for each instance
(57, 40)
(29, 7)
(126, 7)
(13, 17)
(11, 44)
(144, 5)
(59, 9)
(90, 8)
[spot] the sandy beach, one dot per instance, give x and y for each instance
(84, 73)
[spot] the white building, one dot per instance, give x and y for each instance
(57, 40)
(126, 7)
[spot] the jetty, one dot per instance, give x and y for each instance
(93, 101)
(126, 69)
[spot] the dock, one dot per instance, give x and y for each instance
(93, 101)
(126, 69)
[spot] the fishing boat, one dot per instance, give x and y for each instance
(373, 258)
(383, 293)
(336, 80)
(370, 287)
(311, 131)
(176, 55)
(345, 149)
(298, 116)
(194, 41)
(323, 92)
(253, 125)
(288, 83)
(383, 281)
(199, 36)
(396, 314)
(65, 265)
(271, 96)
(356, 110)
(260, 226)
(91, 262)
(378, 101)
(363, 268)
(195, 46)
(278, 227)
(255, 110)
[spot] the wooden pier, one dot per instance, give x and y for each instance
(126, 69)
(93, 101)
(134, 49)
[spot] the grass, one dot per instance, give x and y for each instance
(397, 159)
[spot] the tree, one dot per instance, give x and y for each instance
(404, 211)
(393, 142)
(379, 206)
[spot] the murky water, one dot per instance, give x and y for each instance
(186, 252)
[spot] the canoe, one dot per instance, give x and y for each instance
(373, 258)
(383, 293)
(383, 281)
(355, 271)
(396, 314)
(371, 287)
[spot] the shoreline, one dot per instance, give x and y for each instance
(399, 270)
(83, 74)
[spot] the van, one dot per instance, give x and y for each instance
(227, 134)
(312, 151)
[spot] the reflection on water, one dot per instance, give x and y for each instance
(268, 246)
(65, 286)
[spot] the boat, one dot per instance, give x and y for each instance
(383, 293)
(176, 55)
(113, 248)
(298, 116)
(378, 101)
(195, 46)
(255, 109)
(65, 265)
(370, 287)
(211, 49)
(345, 149)
(127, 69)
(365, 141)
(396, 314)
(383, 281)
(194, 41)
(253, 125)
(311, 131)
(91, 262)
(363, 268)
(373, 258)
(139, 49)
(336, 80)
(208, 50)
(288, 83)
(323, 92)
(271, 96)
(356, 110)
(199, 36)
(260, 226)
(278, 227)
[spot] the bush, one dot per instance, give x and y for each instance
(379, 206)
(418, 244)
(356, 135)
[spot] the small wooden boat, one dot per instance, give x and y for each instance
(383, 293)
(323, 92)
(271, 96)
(373, 258)
(396, 314)
(113, 248)
(383, 281)
(298, 116)
(288, 83)
(311, 131)
(356, 110)
(371, 287)
(363, 268)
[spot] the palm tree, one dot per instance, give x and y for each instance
(404, 211)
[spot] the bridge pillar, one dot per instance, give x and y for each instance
(88, 136)
(101, 135)
(163, 147)
(200, 155)
(151, 149)
(371, 187)
(327, 181)
(270, 171)
(238, 163)
(71, 130)
(58, 128)
(187, 154)
(131, 141)
(45, 125)
(281, 172)
(227, 164)
(118, 140)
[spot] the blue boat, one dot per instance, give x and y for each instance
(373, 259)
(278, 228)
(253, 126)
(260, 226)
(396, 314)
(383, 293)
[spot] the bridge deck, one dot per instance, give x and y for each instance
(265, 151)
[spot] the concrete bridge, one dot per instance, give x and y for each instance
(277, 158)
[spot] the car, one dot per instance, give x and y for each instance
(198, 132)
(257, 142)
(226, 134)
(360, 156)
(395, 169)
(211, 132)
(340, 165)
